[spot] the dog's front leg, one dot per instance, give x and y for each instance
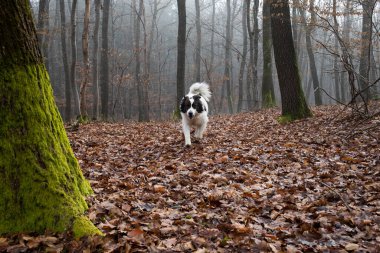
(186, 132)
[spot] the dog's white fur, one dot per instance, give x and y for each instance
(195, 115)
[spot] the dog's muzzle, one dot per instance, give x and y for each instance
(191, 115)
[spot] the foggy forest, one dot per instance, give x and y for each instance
(128, 68)
(94, 158)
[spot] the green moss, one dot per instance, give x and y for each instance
(82, 226)
(42, 186)
(268, 100)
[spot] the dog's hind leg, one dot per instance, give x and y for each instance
(199, 132)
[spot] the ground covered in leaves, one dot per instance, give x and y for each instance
(251, 185)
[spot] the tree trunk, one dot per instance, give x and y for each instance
(336, 44)
(86, 61)
(198, 42)
(95, 80)
(310, 53)
(42, 186)
(268, 97)
(293, 101)
(140, 85)
(68, 113)
(104, 62)
(73, 75)
(365, 52)
(181, 52)
(43, 27)
(243, 57)
(227, 62)
(251, 66)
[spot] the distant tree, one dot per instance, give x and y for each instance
(73, 75)
(366, 44)
(86, 61)
(95, 74)
(42, 186)
(198, 42)
(243, 62)
(43, 27)
(227, 56)
(293, 101)
(181, 52)
(104, 61)
(68, 113)
(268, 97)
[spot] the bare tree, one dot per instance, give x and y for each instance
(73, 75)
(181, 51)
(309, 47)
(243, 62)
(86, 61)
(268, 97)
(198, 42)
(43, 27)
(366, 42)
(95, 79)
(65, 61)
(227, 62)
(104, 62)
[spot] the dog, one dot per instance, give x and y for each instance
(194, 111)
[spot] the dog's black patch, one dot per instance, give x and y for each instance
(197, 104)
(185, 104)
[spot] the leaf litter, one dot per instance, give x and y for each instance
(250, 185)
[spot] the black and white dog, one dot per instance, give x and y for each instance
(194, 110)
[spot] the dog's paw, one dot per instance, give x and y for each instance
(188, 146)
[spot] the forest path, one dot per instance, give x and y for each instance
(252, 184)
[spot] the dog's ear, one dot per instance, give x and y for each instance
(185, 104)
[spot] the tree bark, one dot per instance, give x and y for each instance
(181, 52)
(86, 61)
(104, 62)
(293, 101)
(42, 186)
(95, 74)
(268, 97)
(68, 113)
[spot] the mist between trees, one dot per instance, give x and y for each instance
(118, 59)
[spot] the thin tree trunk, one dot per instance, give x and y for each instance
(43, 27)
(365, 52)
(309, 47)
(198, 42)
(245, 12)
(86, 61)
(336, 73)
(251, 66)
(227, 63)
(268, 97)
(65, 62)
(95, 74)
(73, 75)
(104, 62)
(181, 51)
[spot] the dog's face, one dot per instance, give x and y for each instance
(192, 106)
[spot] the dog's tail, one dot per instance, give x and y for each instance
(202, 89)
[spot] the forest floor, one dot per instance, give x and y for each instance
(251, 185)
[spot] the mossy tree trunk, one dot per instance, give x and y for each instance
(293, 101)
(42, 186)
